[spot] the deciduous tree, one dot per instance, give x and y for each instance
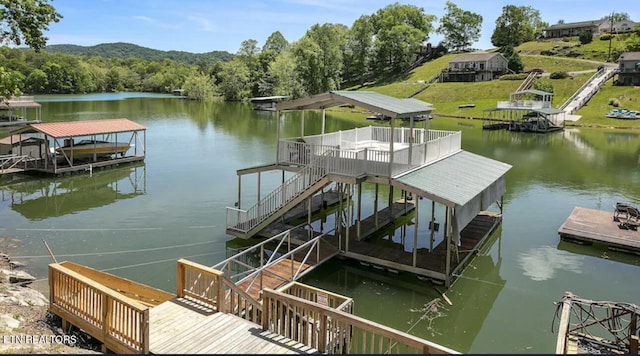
(516, 24)
(460, 28)
(25, 20)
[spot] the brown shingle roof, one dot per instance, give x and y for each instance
(82, 128)
(474, 57)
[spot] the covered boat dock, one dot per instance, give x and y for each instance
(80, 145)
(423, 164)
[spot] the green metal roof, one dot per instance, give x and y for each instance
(376, 102)
(457, 179)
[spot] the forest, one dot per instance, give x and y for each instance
(378, 47)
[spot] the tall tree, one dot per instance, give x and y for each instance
(460, 28)
(275, 42)
(25, 20)
(617, 17)
(234, 80)
(516, 24)
(399, 30)
(359, 46)
(319, 57)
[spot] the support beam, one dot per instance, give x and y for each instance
(302, 124)
(375, 206)
(447, 232)
(432, 225)
(359, 216)
(278, 135)
(239, 191)
(415, 233)
(346, 237)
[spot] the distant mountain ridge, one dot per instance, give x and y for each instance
(129, 50)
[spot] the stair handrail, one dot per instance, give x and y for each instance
(268, 205)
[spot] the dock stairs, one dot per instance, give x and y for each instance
(304, 184)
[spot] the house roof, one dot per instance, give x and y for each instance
(564, 26)
(629, 56)
(376, 102)
(457, 179)
(475, 57)
(81, 128)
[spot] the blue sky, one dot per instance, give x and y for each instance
(207, 25)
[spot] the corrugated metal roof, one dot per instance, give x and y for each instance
(456, 179)
(532, 91)
(376, 102)
(82, 128)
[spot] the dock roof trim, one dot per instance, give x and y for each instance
(82, 128)
(376, 102)
(457, 179)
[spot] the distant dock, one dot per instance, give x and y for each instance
(587, 226)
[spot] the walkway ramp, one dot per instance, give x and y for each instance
(180, 326)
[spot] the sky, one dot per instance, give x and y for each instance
(207, 25)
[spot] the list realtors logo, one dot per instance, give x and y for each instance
(39, 339)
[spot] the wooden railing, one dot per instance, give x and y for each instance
(211, 287)
(11, 161)
(333, 331)
(119, 322)
(319, 296)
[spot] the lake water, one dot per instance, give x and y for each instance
(136, 221)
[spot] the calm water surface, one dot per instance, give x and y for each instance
(135, 221)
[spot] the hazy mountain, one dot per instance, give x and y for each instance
(128, 50)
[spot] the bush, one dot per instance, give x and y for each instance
(614, 102)
(519, 76)
(605, 37)
(559, 75)
(586, 37)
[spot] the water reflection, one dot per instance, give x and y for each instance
(598, 251)
(541, 263)
(45, 198)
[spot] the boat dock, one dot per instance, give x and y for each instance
(51, 148)
(210, 314)
(587, 226)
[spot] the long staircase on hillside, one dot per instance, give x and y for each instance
(588, 89)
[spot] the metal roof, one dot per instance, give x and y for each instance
(82, 128)
(532, 91)
(569, 25)
(376, 102)
(457, 179)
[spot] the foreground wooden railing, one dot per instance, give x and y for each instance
(119, 322)
(319, 296)
(333, 331)
(214, 289)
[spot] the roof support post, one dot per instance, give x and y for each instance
(410, 139)
(348, 222)
(277, 136)
(375, 206)
(447, 232)
(415, 233)
(239, 190)
(302, 123)
(359, 216)
(432, 225)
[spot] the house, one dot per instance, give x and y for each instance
(595, 27)
(475, 67)
(629, 68)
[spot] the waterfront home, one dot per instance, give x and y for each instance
(629, 68)
(595, 27)
(475, 67)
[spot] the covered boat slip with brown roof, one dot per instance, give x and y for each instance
(82, 145)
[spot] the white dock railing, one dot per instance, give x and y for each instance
(352, 153)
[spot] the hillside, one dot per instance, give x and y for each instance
(128, 50)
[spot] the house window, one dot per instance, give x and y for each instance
(481, 66)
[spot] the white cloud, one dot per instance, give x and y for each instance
(204, 23)
(540, 264)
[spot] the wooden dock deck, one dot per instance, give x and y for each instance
(589, 225)
(180, 326)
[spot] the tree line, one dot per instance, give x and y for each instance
(377, 47)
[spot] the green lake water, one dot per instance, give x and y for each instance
(136, 221)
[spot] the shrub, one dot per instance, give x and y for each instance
(614, 102)
(605, 37)
(559, 75)
(519, 76)
(586, 37)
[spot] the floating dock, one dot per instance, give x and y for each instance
(587, 226)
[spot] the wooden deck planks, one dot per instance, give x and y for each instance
(590, 225)
(177, 328)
